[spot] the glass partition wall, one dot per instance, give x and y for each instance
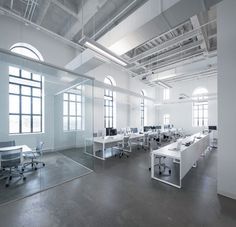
(46, 120)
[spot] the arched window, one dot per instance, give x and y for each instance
(109, 104)
(200, 107)
(25, 94)
(142, 109)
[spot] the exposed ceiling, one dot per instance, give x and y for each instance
(188, 41)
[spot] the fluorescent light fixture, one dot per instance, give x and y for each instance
(163, 84)
(98, 48)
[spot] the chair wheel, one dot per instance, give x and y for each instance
(43, 164)
(24, 178)
(6, 185)
(169, 171)
(10, 178)
(160, 173)
(35, 168)
(149, 168)
(22, 169)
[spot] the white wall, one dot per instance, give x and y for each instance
(226, 35)
(127, 107)
(181, 113)
(52, 50)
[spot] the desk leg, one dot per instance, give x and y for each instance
(195, 165)
(152, 165)
(103, 151)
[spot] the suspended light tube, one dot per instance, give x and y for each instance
(163, 84)
(98, 48)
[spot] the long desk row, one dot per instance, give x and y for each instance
(102, 143)
(186, 157)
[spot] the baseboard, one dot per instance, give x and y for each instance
(226, 194)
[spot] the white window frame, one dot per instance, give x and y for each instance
(166, 94)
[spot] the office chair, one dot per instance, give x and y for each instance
(33, 156)
(124, 147)
(161, 159)
(8, 143)
(10, 161)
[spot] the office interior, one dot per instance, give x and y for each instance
(117, 113)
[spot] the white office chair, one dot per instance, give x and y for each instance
(34, 156)
(123, 147)
(10, 162)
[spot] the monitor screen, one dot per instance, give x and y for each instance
(213, 127)
(108, 131)
(134, 130)
(146, 128)
(113, 132)
(158, 127)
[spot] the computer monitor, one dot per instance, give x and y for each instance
(134, 130)
(113, 132)
(158, 127)
(212, 127)
(146, 128)
(108, 131)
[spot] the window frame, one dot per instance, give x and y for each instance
(31, 96)
(166, 119)
(166, 94)
(142, 109)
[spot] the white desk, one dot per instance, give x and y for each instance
(187, 156)
(25, 149)
(102, 143)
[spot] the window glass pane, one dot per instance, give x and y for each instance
(14, 104)
(72, 108)
(65, 108)
(36, 124)
(205, 114)
(79, 109)
(65, 123)
(25, 90)
(79, 123)
(14, 124)
(72, 123)
(36, 92)
(14, 71)
(13, 88)
(25, 105)
(78, 98)
(24, 82)
(36, 106)
(36, 77)
(65, 96)
(72, 97)
(25, 74)
(26, 123)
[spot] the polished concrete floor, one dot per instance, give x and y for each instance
(58, 169)
(121, 193)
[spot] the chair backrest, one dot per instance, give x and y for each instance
(39, 147)
(126, 141)
(153, 144)
(11, 158)
(8, 143)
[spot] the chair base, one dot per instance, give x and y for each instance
(10, 174)
(34, 164)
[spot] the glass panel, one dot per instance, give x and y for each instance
(36, 77)
(78, 98)
(25, 74)
(72, 97)
(36, 124)
(14, 71)
(14, 104)
(72, 108)
(14, 124)
(14, 88)
(205, 113)
(65, 96)
(25, 105)
(36, 106)
(72, 123)
(25, 90)
(26, 123)
(24, 82)
(65, 123)
(37, 92)
(65, 108)
(79, 109)
(79, 123)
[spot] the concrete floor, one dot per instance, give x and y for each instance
(121, 193)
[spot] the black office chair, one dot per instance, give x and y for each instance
(8, 143)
